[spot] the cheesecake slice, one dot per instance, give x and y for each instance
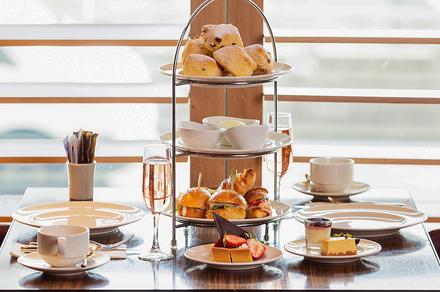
(338, 246)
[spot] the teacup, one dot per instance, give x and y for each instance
(63, 245)
(331, 174)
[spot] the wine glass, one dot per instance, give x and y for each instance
(156, 190)
(285, 155)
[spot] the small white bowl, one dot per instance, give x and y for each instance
(196, 135)
(248, 137)
(215, 121)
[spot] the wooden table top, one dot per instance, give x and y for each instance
(407, 260)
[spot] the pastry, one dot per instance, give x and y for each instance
(338, 246)
(235, 244)
(262, 57)
(195, 46)
(227, 203)
(245, 180)
(192, 203)
(235, 60)
(216, 36)
(317, 230)
(201, 65)
(258, 203)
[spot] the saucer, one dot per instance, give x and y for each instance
(364, 248)
(35, 262)
(354, 189)
(202, 254)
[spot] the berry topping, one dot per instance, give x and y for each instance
(318, 222)
(233, 241)
(257, 248)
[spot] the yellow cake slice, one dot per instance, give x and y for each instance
(338, 246)
(231, 255)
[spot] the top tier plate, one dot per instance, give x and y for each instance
(279, 69)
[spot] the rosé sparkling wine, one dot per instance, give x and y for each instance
(156, 184)
(285, 159)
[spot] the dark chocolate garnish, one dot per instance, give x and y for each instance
(224, 226)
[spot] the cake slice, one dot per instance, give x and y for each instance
(338, 246)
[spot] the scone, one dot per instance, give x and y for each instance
(216, 36)
(263, 59)
(201, 65)
(235, 60)
(195, 46)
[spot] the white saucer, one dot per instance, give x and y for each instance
(35, 262)
(202, 254)
(364, 248)
(354, 189)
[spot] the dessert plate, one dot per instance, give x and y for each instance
(35, 262)
(279, 209)
(202, 254)
(364, 248)
(275, 141)
(99, 217)
(354, 189)
(365, 219)
(279, 69)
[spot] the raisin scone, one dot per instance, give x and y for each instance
(235, 60)
(195, 46)
(201, 65)
(216, 36)
(262, 57)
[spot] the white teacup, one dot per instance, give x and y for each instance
(63, 245)
(331, 174)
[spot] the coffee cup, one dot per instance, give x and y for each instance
(63, 245)
(331, 174)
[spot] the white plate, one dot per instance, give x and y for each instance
(354, 189)
(364, 248)
(99, 217)
(35, 262)
(279, 209)
(202, 254)
(365, 219)
(274, 142)
(279, 69)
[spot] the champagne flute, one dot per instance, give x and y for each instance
(156, 190)
(285, 155)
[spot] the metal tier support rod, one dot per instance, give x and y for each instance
(174, 84)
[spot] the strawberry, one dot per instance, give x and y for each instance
(233, 241)
(219, 243)
(257, 248)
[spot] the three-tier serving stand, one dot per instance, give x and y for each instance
(239, 83)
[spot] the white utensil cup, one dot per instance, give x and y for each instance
(81, 179)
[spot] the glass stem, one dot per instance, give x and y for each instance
(155, 246)
(278, 189)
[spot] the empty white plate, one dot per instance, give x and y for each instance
(354, 189)
(364, 248)
(279, 69)
(274, 142)
(202, 254)
(99, 217)
(365, 219)
(35, 262)
(279, 209)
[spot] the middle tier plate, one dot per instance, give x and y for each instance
(279, 210)
(275, 141)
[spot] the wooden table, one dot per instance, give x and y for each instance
(407, 260)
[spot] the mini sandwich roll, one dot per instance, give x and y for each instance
(235, 60)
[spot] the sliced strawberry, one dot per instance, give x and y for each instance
(233, 241)
(257, 248)
(219, 243)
